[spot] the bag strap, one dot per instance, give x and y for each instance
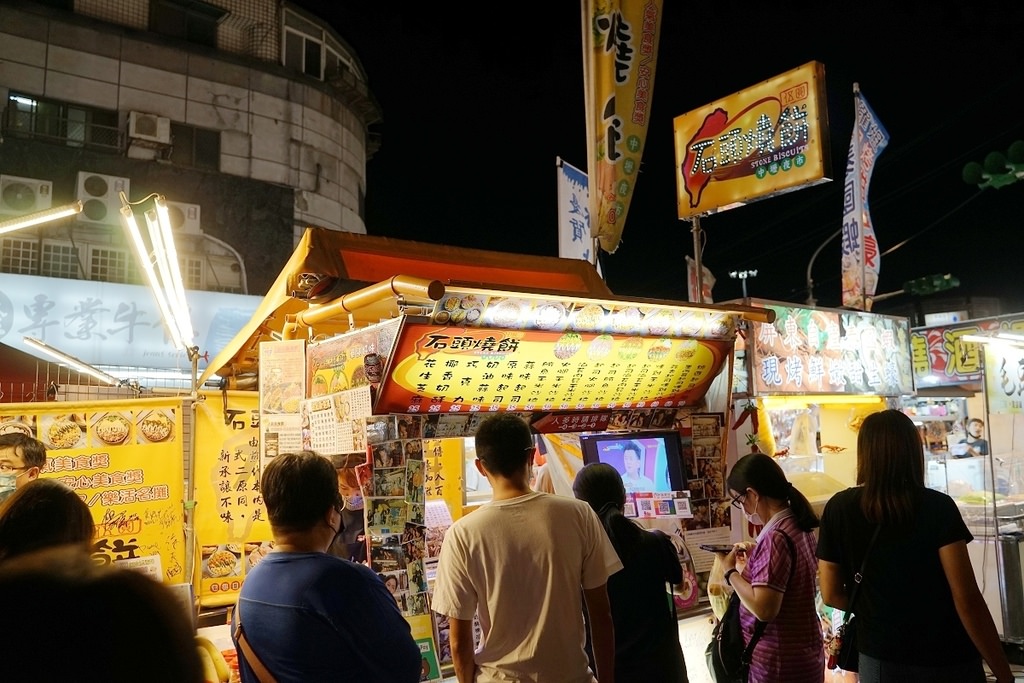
(859, 576)
(263, 675)
(760, 626)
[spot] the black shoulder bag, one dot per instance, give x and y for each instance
(727, 655)
(841, 647)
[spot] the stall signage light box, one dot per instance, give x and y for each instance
(940, 357)
(446, 369)
(811, 350)
(760, 142)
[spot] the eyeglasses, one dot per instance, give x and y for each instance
(737, 502)
(6, 468)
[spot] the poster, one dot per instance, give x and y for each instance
(282, 388)
(125, 460)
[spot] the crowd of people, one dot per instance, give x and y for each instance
(582, 600)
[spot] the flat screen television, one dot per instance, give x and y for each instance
(647, 461)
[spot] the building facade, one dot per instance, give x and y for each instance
(252, 118)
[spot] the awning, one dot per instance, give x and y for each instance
(335, 282)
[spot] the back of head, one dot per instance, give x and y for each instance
(40, 514)
(32, 451)
(762, 473)
(69, 619)
(504, 443)
(890, 466)
(600, 485)
(298, 488)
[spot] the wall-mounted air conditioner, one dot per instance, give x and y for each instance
(184, 217)
(101, 202)
(24, 195)
(149, 128)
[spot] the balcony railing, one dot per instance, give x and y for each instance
(72, 132)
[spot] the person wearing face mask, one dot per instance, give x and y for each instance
(350, 544)
(776, 584)
(306, 615)
(22, 458)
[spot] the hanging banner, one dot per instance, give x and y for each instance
(764, 141)
(620, 50)
(125, 460)
(574, 240)
(860, 255)
(231, 527)
(707, 281)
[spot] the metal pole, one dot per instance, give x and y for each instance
(695, 222)
(811, 301)
(190, 484)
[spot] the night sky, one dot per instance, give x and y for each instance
(477, 105)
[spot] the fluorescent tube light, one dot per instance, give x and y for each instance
(71, 361)
(44, 216)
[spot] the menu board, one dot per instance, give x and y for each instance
(125, 459)
(446, 369)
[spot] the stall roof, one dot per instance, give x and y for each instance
(366, 279)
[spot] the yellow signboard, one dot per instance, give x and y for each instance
(760, 142)
(124, 458)
(231, 526)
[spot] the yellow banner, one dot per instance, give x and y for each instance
(232, 531)
(125, 460)
(763, 141)
(620, 49)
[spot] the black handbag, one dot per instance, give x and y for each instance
(728, 657)
(846, 656)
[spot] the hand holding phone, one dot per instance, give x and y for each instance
(724, 549)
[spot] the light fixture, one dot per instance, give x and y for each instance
(1005, 338)
(44, 216)
(804, 401)
(159, 262)
(71, 361)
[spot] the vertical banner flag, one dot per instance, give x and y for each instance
(620, 49)
(707, 281)
(574, 239)
(861, 260)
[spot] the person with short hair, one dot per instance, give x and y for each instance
(633, 479)
(524, 564)
(310, 616)
(974, 443)
(22, 458)
(91, 623)
(41, 514)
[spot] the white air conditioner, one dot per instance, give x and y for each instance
(184, 217)
(24, 195)
(101, 201)
(149, 128)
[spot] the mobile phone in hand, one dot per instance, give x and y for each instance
(716, 548)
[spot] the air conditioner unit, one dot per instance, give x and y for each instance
(184, 217)
(149, 128)
(24, 195)
(99, 194)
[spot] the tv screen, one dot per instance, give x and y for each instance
(647, 461)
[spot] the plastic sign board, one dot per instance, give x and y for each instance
(764, 141)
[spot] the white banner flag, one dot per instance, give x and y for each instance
(574, 239)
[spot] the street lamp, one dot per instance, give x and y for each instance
(742, 275)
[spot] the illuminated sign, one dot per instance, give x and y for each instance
(940, 357)
(448, 369)
(760, 142)
(810, 350)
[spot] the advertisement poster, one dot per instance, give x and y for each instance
(125, 459)
(820, 351)
(763, 141)
(282, 388)
(940, 357)
(1004, 377)
(232, 531)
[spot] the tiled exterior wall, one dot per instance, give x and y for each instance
(274, 128)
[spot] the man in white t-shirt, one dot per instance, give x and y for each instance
(525, 563)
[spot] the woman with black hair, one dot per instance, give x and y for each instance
(776, 585)
(646, 631)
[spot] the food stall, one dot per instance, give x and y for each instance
(459, 334)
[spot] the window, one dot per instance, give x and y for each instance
(191, 272)
(196, 147)
(59, 260)
(70, 124)
(19, 256)
(189, 20)
(108, 265)
(311, 50)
